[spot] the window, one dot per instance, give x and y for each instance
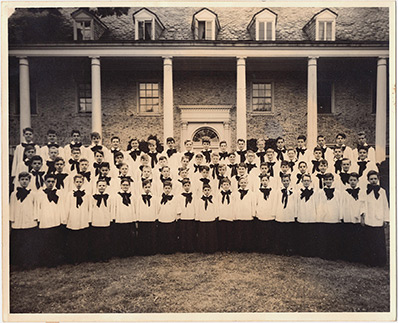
(325, 30)
(84, 30)
(149, 98)
(145, 30)
(262, 97)
(264, 30)
(86, 25)
(205, 25)
(205, 31)
(147, 25)
(84, 97)
(325, 97)
(262, 25)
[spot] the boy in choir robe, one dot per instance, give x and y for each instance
(251, 166)
(244, 215)
(167, 216)
(284, 170)
(362, 142)
(286, 214)
(171, 153)
(338, 159)
(73, 164)
(144, 162)
(307, 229)
(50, 213)
(117, 162)
(376, 216)
(280, 149)
(327, 153)
(63, 181)
(226, 216)
(76, 142)
(302, 152)
(206, 212)
(353, 208)
(232, 165)
(222, 171)
(264, 171)
(123, 231)
(316, 160)
(165, 176)
(364, 165)
(273, 164)
(26, 164)
(51, 142)
(115, 146)
(188, 144)
(53, 153)
(241, 151)
(260, 153)
(87, 174)
(214, 165)
(97, 146)
(183, 173)
(241, 173)
(134, 151)
(292, 159)
(205, 179)
(37, 182)
(153, 153)
(342, 178)
(146, 174)
(24, 231)
(77, 222)
(265, 212)
(96, 165)
(206, 151)
(197, 165)
(320, 176)
(328, 209)
(147, 206)
(111, 182)
(186, 224)
(101, 218)
(340, 142)
(223, 153)
(297, 178)
(124, 173)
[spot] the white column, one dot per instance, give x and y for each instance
(168, 117)
(227, 133)
(241, 126)
(381, 109)
(24, 94)
(96, 113)
(312, 103)
(184, 134)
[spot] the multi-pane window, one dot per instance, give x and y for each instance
(84, 97)
(325, 30)
(262, 97)
(265, 30)
(84, 31)
(205, 31)
(145, 30)
(325, 96)
(149, 97)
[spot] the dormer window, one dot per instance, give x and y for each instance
(87, 26)
(205, 25)
(147, 25)
(263, 25)
(322, 26)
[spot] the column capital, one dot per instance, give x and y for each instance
(167, 57)
(23, 60)
(241, 59)
(94, 57)
(313, 57)
(382, 60)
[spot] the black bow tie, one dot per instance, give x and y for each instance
(242, 154)
(261, 155)
(87, 175)
(166, 198)
(321, 177)
(285, 196)
(52, 144)
(207, 154)
(300, 151)
(165, 179)
(75, 145)
(299, 177)
(214, 168)
(196, 168)
(315, 165)
(337, 166)
(207, 199)
(323, 151)
(79, 197)
(126, 177)
(96, 148)
(220, 178)
(344, 177)
(188, 198)
(329, 192)
(375, 189)
(39, 178)
(250, 167)
(171, 152)
(266, 191)
(280, 153)
(101, 197)
(146, 199)
(234, 169)
(306, 193)
(225, 195)
(291, 165)
(354, 192)
(107, 179)
(115, 150)
(362, 167)
(22, 193)
(189, 154)
(242, 193)
(59, 180)
(154, 158)
(28, 144)
(134, 154)
(223, 155)
(97, 167)
(126, 198)
(51, 195)
(204, 180)
(74, 164)
(271, 168)
(51, 166)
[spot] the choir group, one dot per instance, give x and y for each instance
(90, 203)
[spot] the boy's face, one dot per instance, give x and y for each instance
(162, 162)
(28, 135)
(50, 182)
(264, 169)
(280, 143)
(362, 154)
(206, 191)
(188, 145)
(115, 143)
(147, 188)
(353, 181)
(166, 172)
(205, 173)
(52, 137)
(24, 181)
(340, 140)
(170, 144)
(302, 168)
(167, 189)
(59, 165)
(185, 162)
(187, 187)
(317, 154)
(261, 144)
(362, 139)
(323, 168)
(152, 147)
(286, 182)
(250, 158)
(321, 141)
(125, 186)
(37, 164)
(285, 168)
(264, 181)
(306, 181)
(291, 154)
(338, 153)
(101, 186)
(83, 166)
(98, 158)
(134, 144)
(184, 173)
(78, 183)
(270, 154)
(222, 170)
(124, 169)
(199, 160)
(225, 186)
(53, 153)
(76, 154)
(373, 180)
(241, 145)
(223, 147)
(243, 183)
(328, 181)
(215, 159)
(206, 145)
(146, 173)
(30, 153)
(119, 159)
(104, 171)
(345, 164)
(96, 140)
(232, 158)
(241, 170)
(300, 143)
(144, 161)
(76, 137)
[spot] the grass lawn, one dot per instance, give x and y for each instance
(202, 283)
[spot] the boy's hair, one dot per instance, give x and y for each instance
(184, 157)
(342, 135)
(147, 167)
(187, 140)
(372, 172)
(336, 147)
(198, 155)
(361, 133)
(249, 152)
(284, 163)
(98, 151)
(162, 158)
(222, 165)
(264, 164)
(225, 180)
(27, 129)
(83, 160)
(204, 167)
(280, 138)
(270, 149)
(345, 158)
(95, 135)
(222, 142)
(306, 175)
(170, 139)
(302, 137)
(180, 169)
(36, 157)
(329, 175)
(29, 147)
(23, 175)
(115, 137)
(285, 175)
(47, 176)
(206, 186)
(74, 131)
(214, 154)
(241, 140)
(125, 179)
(242, 178)
(101, 180)
(320, 136)
(363, 148)
(78, 176)
(57, 159)
(124, 164)
(242, 165)
(146, 182)
(151, 142)
(144, 157)
(290, 148)
(305, 163)
(260, 140)
(51, 132)
(164, 167)
(74, 149)
(205, 139)
(185, 181)
(117, 154)
(323, 162)
(354, 174)
(264, 175)
(105, 164)
(167, 183)
(232, 153)
(317, 149)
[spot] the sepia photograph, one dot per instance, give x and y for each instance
(198, 161)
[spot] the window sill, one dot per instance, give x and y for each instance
(148, 114)
(262, 113)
